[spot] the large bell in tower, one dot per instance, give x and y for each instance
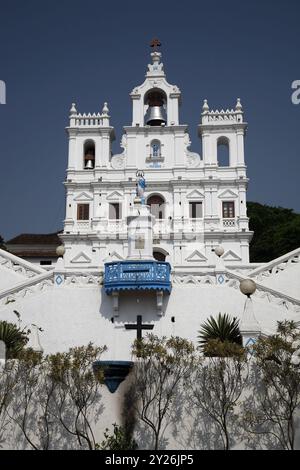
(156, 112)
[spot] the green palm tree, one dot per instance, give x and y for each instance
(15, 339)
(224, 329)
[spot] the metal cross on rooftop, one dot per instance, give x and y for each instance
(155, 44)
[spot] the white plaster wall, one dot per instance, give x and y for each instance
(75, 315)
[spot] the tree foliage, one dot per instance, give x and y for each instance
(117, 440)
(217, 385)
(276, 401)
(2, 245)
(77, 394)
(55, 400)
(276, 231)
(162, 364)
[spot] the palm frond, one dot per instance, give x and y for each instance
(224, 328)
(13, 338)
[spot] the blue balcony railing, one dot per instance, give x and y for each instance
(137, 275)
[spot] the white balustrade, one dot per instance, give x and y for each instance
(117, 226)
(162, 226)
(229, 223)
(83, 225)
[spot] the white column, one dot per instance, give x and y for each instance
(69, 204)
(179, 149)
(240, 147)
(131, 151)
(72, 150)
(105, 150)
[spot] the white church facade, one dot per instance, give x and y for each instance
(197, 226)
(197, 203)
(156, 237)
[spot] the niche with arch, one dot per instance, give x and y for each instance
(157, 206)
(159, 254)
(155, 149)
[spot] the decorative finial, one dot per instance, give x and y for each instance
(73, 109)
(248, 287)
(60, 251)
(219, 250)
(238, 106)
(155, 44)
(205, 106)
(105, 109)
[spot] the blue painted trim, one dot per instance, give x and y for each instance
(137, 275)
(115, 372)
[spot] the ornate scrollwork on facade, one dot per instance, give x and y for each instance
(271, 296)
(20, 292)
(192, 280)
(19, 268)
(193, 158)
(118, 160)
(276, 267)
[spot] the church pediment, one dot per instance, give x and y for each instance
(196, 256)
(228, 194)
(114, 256)
(83, 197)
(196, 194)
(115, 196)
(231, 256)
(81, 258)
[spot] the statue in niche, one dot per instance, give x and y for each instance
(140, 186)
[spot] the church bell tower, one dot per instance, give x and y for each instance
(197, 201)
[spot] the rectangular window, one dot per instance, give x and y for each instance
(195, 209)
(115, 211)
(83, 212)
(46, 263)
(228, 210)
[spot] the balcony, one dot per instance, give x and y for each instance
(137, 275)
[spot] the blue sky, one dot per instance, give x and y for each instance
(56, 52)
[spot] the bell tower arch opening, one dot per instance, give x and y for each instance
(155, 102)
(89, 155)
(223, 151)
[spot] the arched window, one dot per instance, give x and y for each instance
(155, 149)
(159, 255)
(223, 151)
(89, 155)
(157, 206)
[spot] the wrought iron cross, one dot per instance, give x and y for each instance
(155, 44)
(139, 327)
